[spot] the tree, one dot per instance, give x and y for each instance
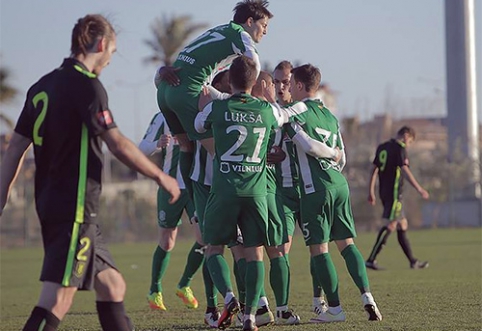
(169, 35)
(7, 93)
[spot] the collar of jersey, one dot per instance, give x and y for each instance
(79, 66)
(85, 72)
(313, 99)
(401, 143)
(242, 95)
(237, 25)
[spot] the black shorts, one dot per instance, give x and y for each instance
(393, 209)
(74, 254)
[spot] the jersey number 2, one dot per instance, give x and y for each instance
(243, 132)
(42, 96)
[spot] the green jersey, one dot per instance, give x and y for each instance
(319, 123)
(271, 179)
(202, 169)
(241, 127)
(170, 154)
(213, 51)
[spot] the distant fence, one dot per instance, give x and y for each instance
(129, 213)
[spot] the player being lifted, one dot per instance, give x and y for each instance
(198, 62)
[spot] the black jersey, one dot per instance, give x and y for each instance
(63, 115)
(389, 159)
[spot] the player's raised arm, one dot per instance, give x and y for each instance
(11, 164)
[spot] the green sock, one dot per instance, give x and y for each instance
(194, 260)
(160, 261)
(186, 160)
(254, 284)
(328, 278)
(356, 267)
(287, 258)
(219, 270)
(314, 279)
(279, 280)
(240, 276)
(210, 289)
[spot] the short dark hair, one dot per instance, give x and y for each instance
(257, 9)
(219, 77)
(88, 30)
(243, 73)
(308, 75)
(406, 129)
(257, 89)
(284, 65)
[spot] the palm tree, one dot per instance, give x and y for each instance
(169, 35)
(7, 93)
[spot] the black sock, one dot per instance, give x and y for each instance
(112, 316)
(41, 316)
(211, 310)
(381, 241)
(407, 249)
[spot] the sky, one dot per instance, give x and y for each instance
(377, 55)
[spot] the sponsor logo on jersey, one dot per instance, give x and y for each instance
(104, 118)
(245, 168)
(243, 117)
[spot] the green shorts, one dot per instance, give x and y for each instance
(169, 216)
(277, 227)
(291, 207)
(200, 196)
(179, 105)
(224, 213)
(326, 216)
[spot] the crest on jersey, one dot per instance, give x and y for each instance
(162, 216)
(104, 118)
(224, 167)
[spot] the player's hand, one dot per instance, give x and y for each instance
(164, 141)
(371, 199)
(204, 98)
(170, 185)
(276, 155)
(268, 91)
(424, 193)
(169, 75)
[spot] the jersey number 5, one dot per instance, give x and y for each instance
(42, 96)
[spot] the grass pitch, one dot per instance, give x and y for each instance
(446, 296)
